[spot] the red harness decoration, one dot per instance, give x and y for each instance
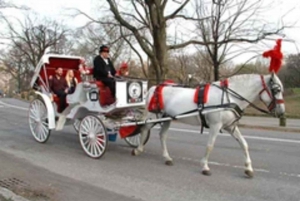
(205, 94)
(224, 83)
(156, 103)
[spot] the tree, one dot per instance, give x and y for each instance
(290, 73)
(232, 24)
(26, 42)
(90, 37)
(147, 21)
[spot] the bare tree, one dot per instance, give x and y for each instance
(147, 21)
(26, 42)
(89, 38)
(232, 24)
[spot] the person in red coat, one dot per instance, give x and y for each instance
(123, 70)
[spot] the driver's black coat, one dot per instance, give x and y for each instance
(101, 69)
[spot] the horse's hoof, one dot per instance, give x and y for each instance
(133, 153)
(206, 172)
(249, 173)
(169, 163)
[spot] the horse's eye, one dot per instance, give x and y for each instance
(276, 90)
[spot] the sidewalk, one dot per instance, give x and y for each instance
(271, 123)
(23, 181)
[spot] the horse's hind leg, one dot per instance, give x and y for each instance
(213, 132)
(244, 145)
(163, 138)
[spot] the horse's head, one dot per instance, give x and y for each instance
(272, 95)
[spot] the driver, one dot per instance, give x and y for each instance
(104, 70)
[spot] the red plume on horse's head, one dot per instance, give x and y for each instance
(276, 57)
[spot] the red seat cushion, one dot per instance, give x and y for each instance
(105, 95)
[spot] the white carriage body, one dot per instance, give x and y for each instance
(85, 99)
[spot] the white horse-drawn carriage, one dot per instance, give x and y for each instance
(96, 116)
(217, 106)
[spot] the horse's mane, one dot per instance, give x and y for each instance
(244, 78)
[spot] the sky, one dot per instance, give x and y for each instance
(55, 9)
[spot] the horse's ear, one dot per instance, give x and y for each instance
(272, 74)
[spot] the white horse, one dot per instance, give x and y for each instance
(242, 90)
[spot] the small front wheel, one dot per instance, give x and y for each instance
(38, 121)
(93, 136)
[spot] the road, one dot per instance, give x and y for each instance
(63, 172)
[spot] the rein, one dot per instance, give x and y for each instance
(236, 95)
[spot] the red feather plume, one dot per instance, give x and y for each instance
(276, 57)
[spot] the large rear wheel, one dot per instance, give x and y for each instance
(38, 121)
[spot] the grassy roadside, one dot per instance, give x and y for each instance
(292, 107)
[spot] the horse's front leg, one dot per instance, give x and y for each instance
(163, 139)
(244, 145)
(144, 132)
(213, 132)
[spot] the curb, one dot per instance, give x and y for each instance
(9, 195)
(283, 129)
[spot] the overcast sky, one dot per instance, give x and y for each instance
(55, 9)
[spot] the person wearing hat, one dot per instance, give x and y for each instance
(104, 70)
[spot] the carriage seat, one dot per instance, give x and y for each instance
(104, 92)
(105, 95)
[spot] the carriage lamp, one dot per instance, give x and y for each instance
(93, 95)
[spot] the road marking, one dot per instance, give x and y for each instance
(223, 164)
(245, 136)
(13, 106)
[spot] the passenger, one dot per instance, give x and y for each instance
(71, 81)
(104, 70)
(59, 86)
(123, 70)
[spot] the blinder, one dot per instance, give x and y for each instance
(275, 89)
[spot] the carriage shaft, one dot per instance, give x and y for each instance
(159, 120)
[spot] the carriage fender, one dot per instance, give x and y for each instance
(50, 109)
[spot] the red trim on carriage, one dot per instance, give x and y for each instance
(125, 131)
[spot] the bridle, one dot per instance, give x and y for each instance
(275, 89)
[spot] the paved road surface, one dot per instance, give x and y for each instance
(59, 169)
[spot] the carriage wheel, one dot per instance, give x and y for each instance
(93, 136)
(135, 140)
(76, 125)
(38, 121)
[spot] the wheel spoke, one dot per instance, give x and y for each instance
(100, 145)
(37, 115)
